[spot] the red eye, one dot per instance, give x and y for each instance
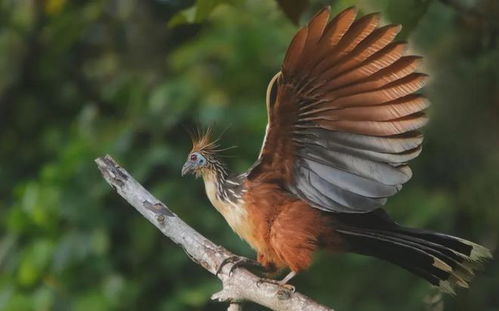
(194, 157)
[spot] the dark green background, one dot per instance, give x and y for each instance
(79, 79)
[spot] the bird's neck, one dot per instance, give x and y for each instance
(220, 188)
(225, 195)
(216, 175)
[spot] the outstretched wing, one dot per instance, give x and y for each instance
(343, 116)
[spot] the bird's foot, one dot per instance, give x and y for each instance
(282, 284)
(238, 261)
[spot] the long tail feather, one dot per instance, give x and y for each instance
(443, 260)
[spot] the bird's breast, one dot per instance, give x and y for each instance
(234, 212)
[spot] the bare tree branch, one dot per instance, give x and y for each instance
(242, 285)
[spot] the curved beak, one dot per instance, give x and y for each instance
(187, 168)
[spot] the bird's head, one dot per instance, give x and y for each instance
(197, 163)
(202, 159)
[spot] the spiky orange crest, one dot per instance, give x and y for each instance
(203, 142)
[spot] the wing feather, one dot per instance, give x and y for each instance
(344, 118)
(376, 41)
(395, 109)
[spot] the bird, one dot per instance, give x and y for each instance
(344, 119)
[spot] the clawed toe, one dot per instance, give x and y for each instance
(237, 261)
(289, 287)
(224, 262)
(285, 286)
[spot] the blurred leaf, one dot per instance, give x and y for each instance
(93, 300)
(34, 262)
(43, 299)
(53, 7)
(182, 18)
(200, 12)
(408, 13)
(114, 286)
(204, 8)
(293, 9)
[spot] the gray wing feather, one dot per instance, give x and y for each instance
(330, 197)
(393, 144)
(353, 183)
(381, 172)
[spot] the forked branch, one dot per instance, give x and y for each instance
(240, 286)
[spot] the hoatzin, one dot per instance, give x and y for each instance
(343, 121)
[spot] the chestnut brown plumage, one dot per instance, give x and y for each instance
(343, 121)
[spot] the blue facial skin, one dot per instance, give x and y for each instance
(195, 161)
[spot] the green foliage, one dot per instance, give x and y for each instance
(408, 13)
(79, 79)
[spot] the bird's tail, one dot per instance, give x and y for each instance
(443, 260)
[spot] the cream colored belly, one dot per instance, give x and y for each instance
(234, 213)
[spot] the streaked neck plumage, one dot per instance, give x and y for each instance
(225, 194)
(223, 187)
